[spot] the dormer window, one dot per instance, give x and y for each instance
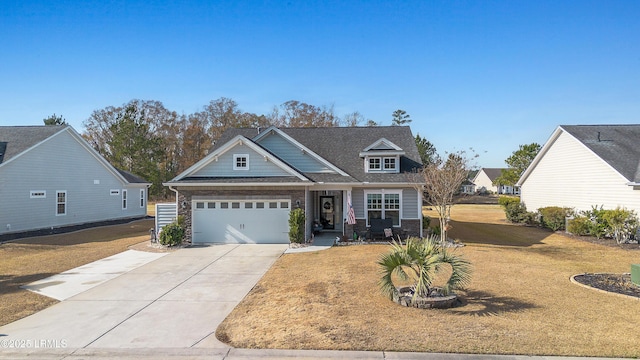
(374, 164)
(241, 162)
(390, 164)
(382, 156)
(385, 164)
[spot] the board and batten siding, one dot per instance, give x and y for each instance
(292, 154)
(570, 175)
(223, 167)
(61, 163)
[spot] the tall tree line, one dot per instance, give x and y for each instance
(155, 143)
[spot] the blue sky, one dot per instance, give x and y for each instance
(483, 74)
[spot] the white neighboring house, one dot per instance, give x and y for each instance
(582, 166)
(50, 177)
(484, 182)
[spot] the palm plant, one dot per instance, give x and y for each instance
(419, 261)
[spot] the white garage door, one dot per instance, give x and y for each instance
(241, 221)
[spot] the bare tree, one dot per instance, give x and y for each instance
(353, 119)
(295, 113)
(440, 181)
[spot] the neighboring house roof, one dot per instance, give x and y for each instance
(340, 149)
(493, 173)
(16, 140)
(133, 179)
(617, 145)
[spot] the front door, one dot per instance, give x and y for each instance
(327, 212)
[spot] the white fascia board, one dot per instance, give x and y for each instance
(383, 141)
(545, 148)
(301, 147)
(382, 153)
(239, 140)
(556, 134)
(261, 184)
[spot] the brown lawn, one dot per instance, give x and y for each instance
(519, 302)
(30, 259)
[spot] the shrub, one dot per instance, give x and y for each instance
(554, 217)
(296, 226)
(621, 224)
(580, 225)
(504, 201)
(426, 221)
(171, 234)
(515, 212)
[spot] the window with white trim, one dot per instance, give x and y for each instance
(114, 192)
(383, 205)
(61, 202)
(374, 164)
(141, 198)
(124, 199)
(389, 164)
(241, 162)
(38, 194)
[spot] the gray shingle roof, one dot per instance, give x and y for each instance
(617, 145)
(342, 146)
(131, 178)
(493, 173)
(20, 138)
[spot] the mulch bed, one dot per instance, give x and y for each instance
(617, 283)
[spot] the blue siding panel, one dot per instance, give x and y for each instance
(61, 163)
(292, 155)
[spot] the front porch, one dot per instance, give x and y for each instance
(327, 219)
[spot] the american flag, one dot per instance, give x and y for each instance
(351, 215)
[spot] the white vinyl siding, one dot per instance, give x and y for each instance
(483, 181)
(571, 175)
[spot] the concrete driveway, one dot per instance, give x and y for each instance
(173, 302)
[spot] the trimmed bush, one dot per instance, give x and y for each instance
(171, 235)
(504, 201)
(621, 224)
(515, 212)
(554, 217)
(580, 225)
(296, 226)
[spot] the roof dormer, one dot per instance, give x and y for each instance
(382, 156)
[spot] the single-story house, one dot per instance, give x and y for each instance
(468, 187)
(485, 178)
(50, 178)
(244, 189)
(582, 166)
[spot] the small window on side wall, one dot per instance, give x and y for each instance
(61, 203)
